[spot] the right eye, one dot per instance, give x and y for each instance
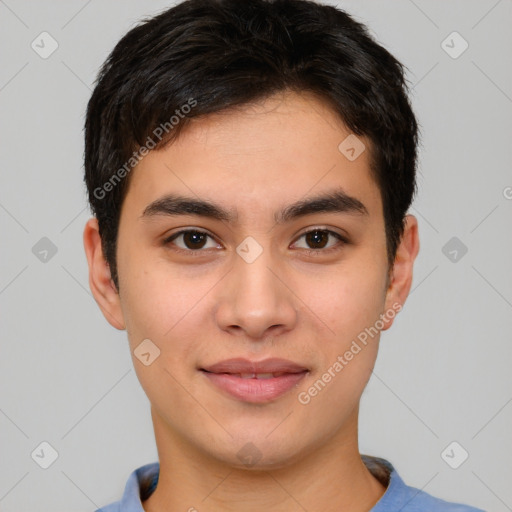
(190, 240)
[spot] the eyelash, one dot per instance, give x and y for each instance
(341, 241)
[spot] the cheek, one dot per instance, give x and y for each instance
(347, 301)
(165, 311)
(347, 357)
(153, 299)
(164, 306)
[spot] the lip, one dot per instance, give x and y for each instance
(227, 376)
(241, 365)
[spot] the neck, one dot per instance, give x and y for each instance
(332, 477)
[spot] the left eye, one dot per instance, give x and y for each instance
(318, 238)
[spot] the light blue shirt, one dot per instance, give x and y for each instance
(398, 496)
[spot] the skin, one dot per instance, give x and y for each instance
(288, 303)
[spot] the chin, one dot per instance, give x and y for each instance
(255, 453)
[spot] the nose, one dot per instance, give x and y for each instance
(256, 301)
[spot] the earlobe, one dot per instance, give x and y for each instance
(402, 272)
(100, 280)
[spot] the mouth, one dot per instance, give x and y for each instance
(255, 382)
(260, 376)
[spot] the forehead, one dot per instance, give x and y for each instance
(285, 147)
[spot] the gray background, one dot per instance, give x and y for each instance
(443, 372)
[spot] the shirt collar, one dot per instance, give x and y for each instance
(142, 482)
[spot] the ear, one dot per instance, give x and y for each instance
(401, 274)
(100, 280)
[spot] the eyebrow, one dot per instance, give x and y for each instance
(336, 201)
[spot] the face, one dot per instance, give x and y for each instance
(247, 276)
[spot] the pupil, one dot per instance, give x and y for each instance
(314, 236)
(197, 239)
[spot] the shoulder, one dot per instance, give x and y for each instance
(420, 501)
(399, 496)
(141, 483)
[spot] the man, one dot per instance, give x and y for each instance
(250, 166)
